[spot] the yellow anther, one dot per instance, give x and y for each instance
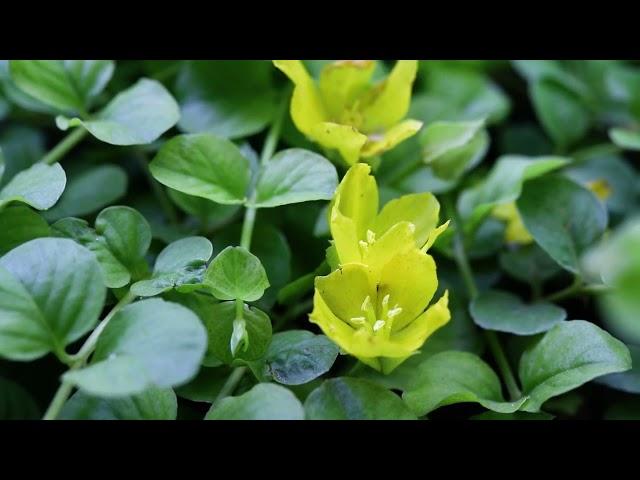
(371, 237)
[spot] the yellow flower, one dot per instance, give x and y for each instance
(346, 112)
(515, 232)
(362, 235)
(381, 322)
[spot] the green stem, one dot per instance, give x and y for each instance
(231, 384)
(79, 359)
(464, 267)
(577, 288)
(66, 144)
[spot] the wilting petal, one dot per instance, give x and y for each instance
(414, 335)
(388, 103)
(378, 144)
(410, 280)
(421, 209)
(342, 82)
(344, 138)
(307, 108)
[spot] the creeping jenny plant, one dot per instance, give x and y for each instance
(346, 112)
(373, 305)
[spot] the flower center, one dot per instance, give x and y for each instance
(376, 322)
(365, 244)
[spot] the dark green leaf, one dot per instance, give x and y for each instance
(265, 401)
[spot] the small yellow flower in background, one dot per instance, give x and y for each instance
(362, 235)
(346, 112)
(381, 321)
(515, 232)
(374, 303)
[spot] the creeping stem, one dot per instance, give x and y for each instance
(79, 359)
(268, 150)
(493, 341)
(66, 144)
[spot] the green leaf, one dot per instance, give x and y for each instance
(296, 357)
(206, 386)
(51, 294)
(452, 148)
(513, 416)
(151, 343)
(504, 312)
(236, 274)
(82, 195)
(21, 147)
(345, 398)
(19, 225)
(456, 377)
(180, 265)
(40, 186)
(265, 401)
(562, 113)
(529, 263)
(502, 185)
(294, 176)
(567, 356)
(127, 234)
(627, 139)
(67, 85)
(211, 215)
(628, 381)
(16, 403)
(232, 98)
(137, 116)
(563, 218)
(220, 327)
(152, 404)
(204, 166)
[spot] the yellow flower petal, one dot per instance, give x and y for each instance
(378, 144)
(414, 335)
(398, 239)
(421, 209)
(342, 82)
(344, 138)
(307, 108)
(345, 289)
(515, 232)
(388, 103)
(434, 234)
(345, 238)
(410, 281)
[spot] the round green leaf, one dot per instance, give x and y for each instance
(265, 401)
(628, 381)
(567, 356)
(137, 116)
(67, 85)
(529, 263)
(233, 98)
(19, 225)
(504, 312)
(180, 265)
(561, 112)
(51, 294)
(628, 139)
(456, 377)
(295, 175)
(296, 357)
(149, 343)
(236, 274)
(220, 327)
(563, 217)
(345, 398)
(82, 195)
(40, 186)
(16, 403)
(152, 404)
(126, 233)
(204, 166)
(21, 147)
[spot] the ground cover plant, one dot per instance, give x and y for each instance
(319, 240)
